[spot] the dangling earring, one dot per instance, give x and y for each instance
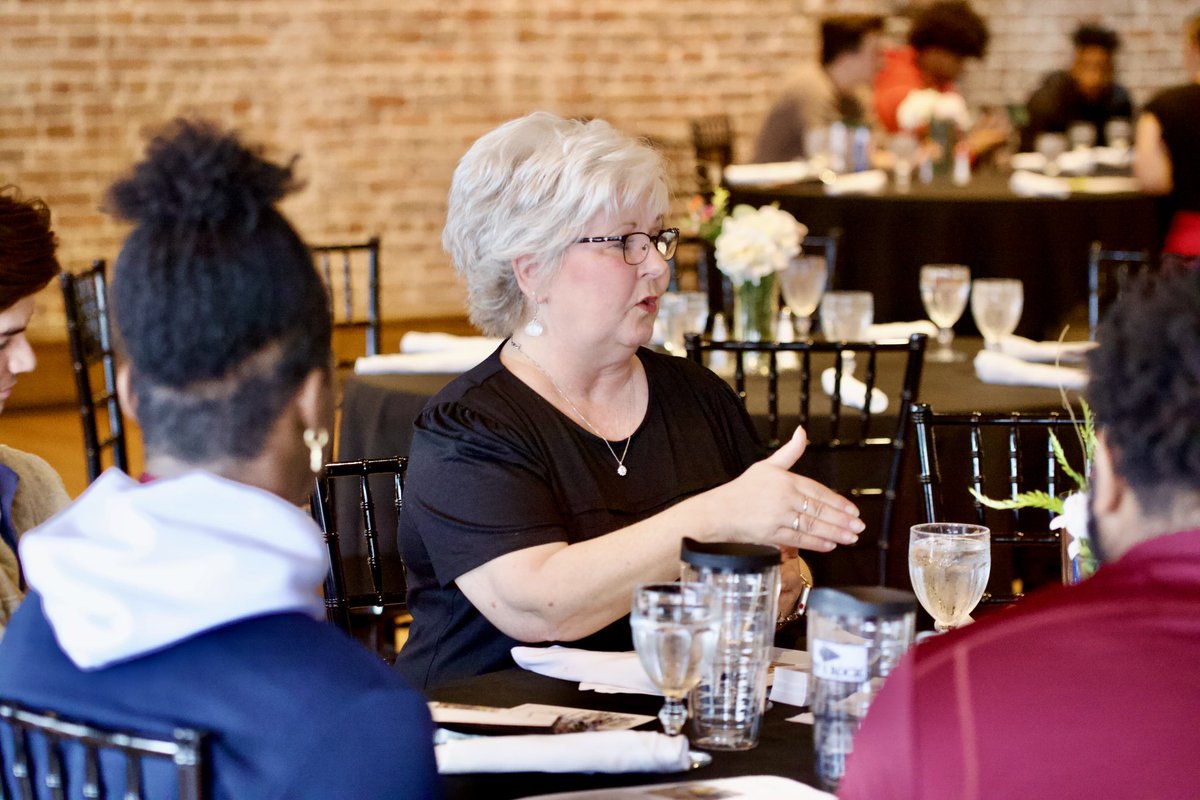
(315, 441)
(535, 327)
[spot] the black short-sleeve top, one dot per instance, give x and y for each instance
(1178, 113)
(495, 468)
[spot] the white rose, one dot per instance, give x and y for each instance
(757, 242)
(916, 109)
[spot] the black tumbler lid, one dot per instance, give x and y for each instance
(729, 556)
(862, 601)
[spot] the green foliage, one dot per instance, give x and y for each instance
(1035, 499)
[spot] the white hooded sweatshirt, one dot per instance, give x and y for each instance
(131, 568)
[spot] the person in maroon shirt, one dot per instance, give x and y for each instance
(1085, 691)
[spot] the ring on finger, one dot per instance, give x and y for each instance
(796, 523)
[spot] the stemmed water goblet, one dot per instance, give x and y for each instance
(803, 285)
(944, 291)
(996, 306)
(675, 630)
(949, 564)
(1051, 146)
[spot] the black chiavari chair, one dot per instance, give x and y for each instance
(351, 273)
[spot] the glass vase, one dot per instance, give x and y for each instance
(943, 133)
(755, 314)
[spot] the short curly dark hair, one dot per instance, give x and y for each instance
(1092, 35)
(950, 25)
(217, 303)
(1145, 383)
(27, 247)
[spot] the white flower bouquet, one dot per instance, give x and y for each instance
(757, 242)
(922, 107)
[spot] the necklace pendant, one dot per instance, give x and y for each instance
(621, 470)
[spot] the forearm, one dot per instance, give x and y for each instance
(1151, 162)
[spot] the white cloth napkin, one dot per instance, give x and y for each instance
(592, 751)
(772, 174)
(1044, 352)
(447, 361)
(1080, 161)
(1030, 184)
(621, 670)
(996, 367)
(886, 331)
(1118, 157)
(437, 342)
(873, 181)
(854, 391)
(1029, 162)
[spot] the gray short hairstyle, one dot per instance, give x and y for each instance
(529, 188)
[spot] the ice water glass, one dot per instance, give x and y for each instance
(1118, 133)
(803, 285)
(846, 316)
(944, 291)
(1051, 146)
(1081, 135)
(904, 153)
(675, 630)
(996, 305)
(949, 564)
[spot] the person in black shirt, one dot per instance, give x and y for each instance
(550, 480)
(1167, 152)
(1086, 92)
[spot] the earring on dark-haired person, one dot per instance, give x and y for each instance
(535, 327)
(315, 441)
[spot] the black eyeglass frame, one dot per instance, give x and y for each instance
(665, 249)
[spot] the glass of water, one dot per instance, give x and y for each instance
(846, 316)
(675, 629)
(996, 305)
(1051, 146)
(944, 291)
(949, 564)
(803, 284)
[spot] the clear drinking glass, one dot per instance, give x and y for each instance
(1051, 146)
(675, 629)
(680, 313)
(803, 284)
(904, 153)
(996, 305)
(944, 291)
(949, 564)
(1118, 133)
(1081, 135)
(846, 316)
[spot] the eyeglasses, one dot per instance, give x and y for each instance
(636, 245)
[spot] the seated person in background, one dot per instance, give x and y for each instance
(548, 481)
(192, 596)
(1166, 157)
(1084, 93)
(825, 93)
(30, 490)
(943, 36)
(1090, 690)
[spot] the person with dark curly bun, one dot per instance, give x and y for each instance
(192, 596)
(1088, 690)
(30, 490)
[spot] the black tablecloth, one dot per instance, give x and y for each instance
(1042, 241)
(785, 748)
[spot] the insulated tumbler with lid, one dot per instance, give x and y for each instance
(726, 707)
(856, 636)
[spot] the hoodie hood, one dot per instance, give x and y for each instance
(131, 568)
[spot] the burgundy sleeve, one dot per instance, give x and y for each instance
(881, 765)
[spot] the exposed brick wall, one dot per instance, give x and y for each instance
(381, 97)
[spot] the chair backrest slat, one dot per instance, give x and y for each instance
(354, 260)
(1104, 268)
(85, 300)
(23, 726)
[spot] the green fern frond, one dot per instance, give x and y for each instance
(1061, 458)
(1035, 499)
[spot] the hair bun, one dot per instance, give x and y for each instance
(197, 175)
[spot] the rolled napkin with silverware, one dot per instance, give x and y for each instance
(995, 367)
(873, 181)
(854, 391)
(1031, 184)
(618, 670)
(593, 751)
(1044, 352)
(437, 342)
(887, 331)
(778, 173)
(446, 361)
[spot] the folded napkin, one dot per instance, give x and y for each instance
(447, 361)
(1030, 184)
(996, 367)
(772, 174)
(1117, 157)
(886, 331)
(1029, 162)
(854, 391)
(1080, 161)
(1044, 352)
(873, 181)
(435, 342)
(592, 751)
(622, 670)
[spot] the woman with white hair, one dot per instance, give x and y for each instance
(548, 481)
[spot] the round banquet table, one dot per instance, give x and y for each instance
(1042, 241)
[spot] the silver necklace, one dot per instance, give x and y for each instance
(621, 468)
